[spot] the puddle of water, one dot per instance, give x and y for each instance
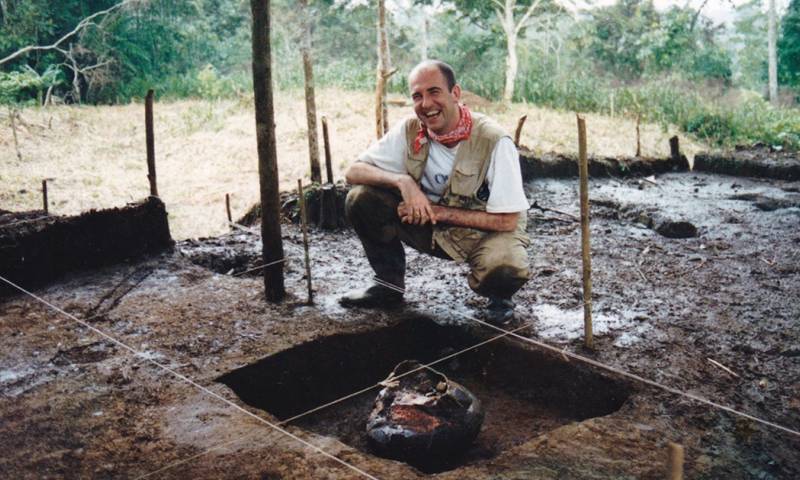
(566, 325)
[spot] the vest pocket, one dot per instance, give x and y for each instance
(465, 181)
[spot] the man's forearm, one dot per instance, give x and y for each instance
(365, 174)
(492, 222)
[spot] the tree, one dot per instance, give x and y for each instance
(751, 55)
(512, 25)
(383, 72)
(789, 45)
(632, 39)
(311, 105)
(772, 53)
(272, 245)
(512, 17)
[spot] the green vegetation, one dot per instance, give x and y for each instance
(671, 66)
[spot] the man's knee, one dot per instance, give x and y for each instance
(357, 198)
(499, 272)
(367, 197)
(372, 211)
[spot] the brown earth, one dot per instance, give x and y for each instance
(75, 405)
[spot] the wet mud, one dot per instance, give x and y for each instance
(673, 310)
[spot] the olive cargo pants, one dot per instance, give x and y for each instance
(498, 265)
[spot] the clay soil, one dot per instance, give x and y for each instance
(75, 405)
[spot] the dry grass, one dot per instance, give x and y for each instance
(94, 157)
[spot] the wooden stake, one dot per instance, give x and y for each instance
(44, 197)
(304, 222)
(674, 149)
(518, 133)
(151, 149)
(638, 135)
(12, 113)
(228, 207)
(327, 141)
(675, 464)
(585, 248)
(382, 73)
(272, 244)
(311, 106)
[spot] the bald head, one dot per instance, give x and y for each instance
(445, 69)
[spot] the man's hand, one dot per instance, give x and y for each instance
(415, 208)
(407, 216)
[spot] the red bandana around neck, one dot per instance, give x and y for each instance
(461, 132)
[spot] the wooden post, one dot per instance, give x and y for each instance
(638, 135)
(326, 139)
(518, 133)
(272, 245)
(382, 74)
(44, 197)
(228, 207)
(12, 114)
(311, 105)
(675, 463)
(151, 148)
(585, 248)
(674, 149)
(304, 223)
(328, 209)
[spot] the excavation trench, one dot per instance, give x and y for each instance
(525, 393)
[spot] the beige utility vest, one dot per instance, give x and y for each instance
(468, 175)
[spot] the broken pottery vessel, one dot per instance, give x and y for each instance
(422, 417)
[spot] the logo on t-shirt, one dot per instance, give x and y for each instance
(440, 178)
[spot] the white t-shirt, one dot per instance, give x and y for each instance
(505, 190)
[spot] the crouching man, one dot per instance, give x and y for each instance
(446, 182)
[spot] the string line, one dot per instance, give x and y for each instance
(324, 406)
(187, 380)
(563, 352)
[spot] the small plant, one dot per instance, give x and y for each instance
(20, 87)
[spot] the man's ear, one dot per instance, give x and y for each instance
(457, 92)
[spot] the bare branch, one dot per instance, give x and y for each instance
(86, 22)
(527, 15)
(697, 15)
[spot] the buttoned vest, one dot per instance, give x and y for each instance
(467, 180)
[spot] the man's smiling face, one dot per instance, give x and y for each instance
(434, 103)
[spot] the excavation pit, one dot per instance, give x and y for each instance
(525, 392)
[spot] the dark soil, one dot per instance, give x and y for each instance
(552, 165)
(36, 248)
(761, 161)
(72, 405)
(525, 393)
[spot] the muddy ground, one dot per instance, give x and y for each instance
(74, 405)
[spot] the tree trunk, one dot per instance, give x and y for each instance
(382, 74)
(311, 106)
(509, 28)
(272, 245)
(772, 54)
(424, 39)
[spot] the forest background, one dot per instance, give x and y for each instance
(670, 65)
